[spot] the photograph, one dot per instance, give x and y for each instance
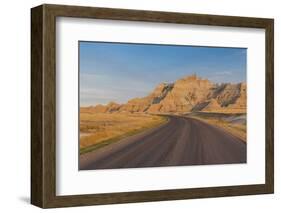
(155, 105)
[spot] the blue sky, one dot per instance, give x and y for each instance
(118, 71)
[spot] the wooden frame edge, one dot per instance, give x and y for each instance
(36, 106)
(43, 105)
(269, 120)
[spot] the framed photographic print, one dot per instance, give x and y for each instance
(136, 106)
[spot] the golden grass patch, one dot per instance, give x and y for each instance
(238, 130)
(105, 128)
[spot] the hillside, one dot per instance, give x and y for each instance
(188, 94)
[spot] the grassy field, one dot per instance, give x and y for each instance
(233, 123)
(100, 129)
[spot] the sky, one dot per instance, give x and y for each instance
(120, 71)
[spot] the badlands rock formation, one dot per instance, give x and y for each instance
(187, 94)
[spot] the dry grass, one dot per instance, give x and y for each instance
(239, 130)
(100, 129)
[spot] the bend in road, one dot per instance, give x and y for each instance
(181, 141)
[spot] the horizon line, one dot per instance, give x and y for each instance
(186, 76)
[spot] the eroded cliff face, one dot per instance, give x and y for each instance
(143, 104)
(187, 94)
(240, 104)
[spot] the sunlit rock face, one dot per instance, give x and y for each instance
(187, 94)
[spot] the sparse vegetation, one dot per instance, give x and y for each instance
(100, 129)
(233, 123)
